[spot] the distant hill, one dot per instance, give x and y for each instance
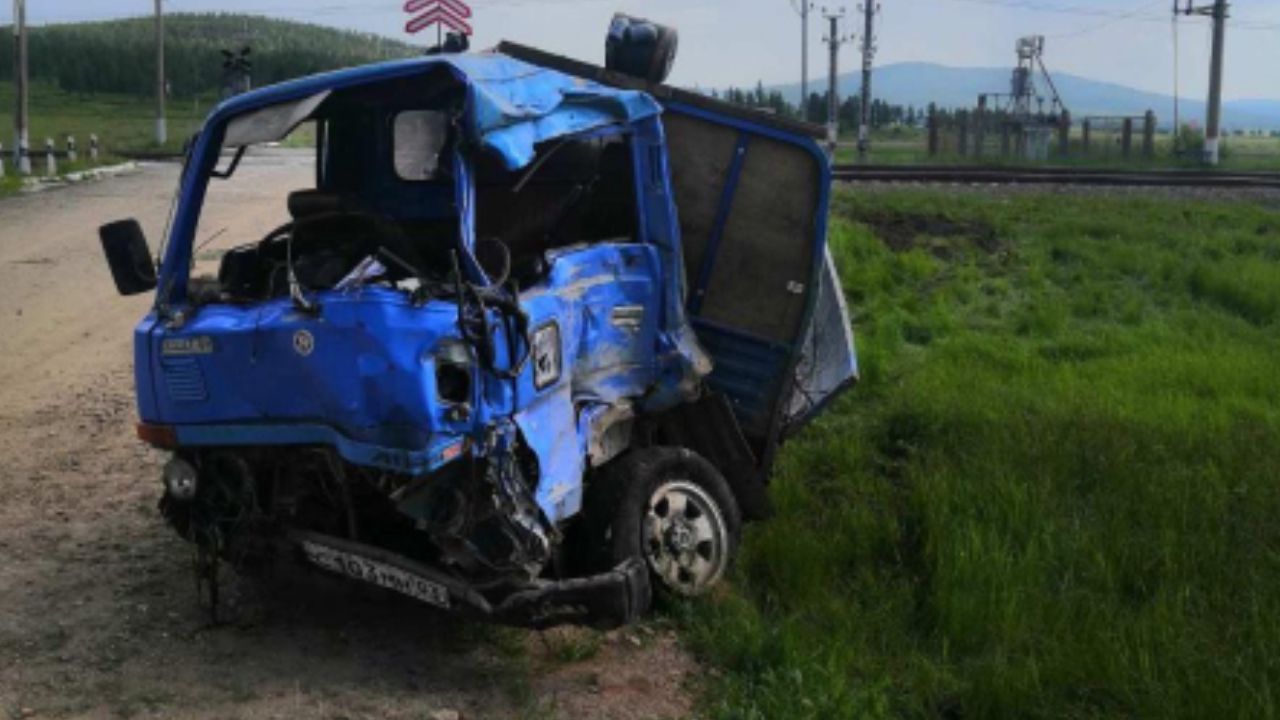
(919, 84)
(118, 56)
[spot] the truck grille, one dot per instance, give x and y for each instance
(184, 379)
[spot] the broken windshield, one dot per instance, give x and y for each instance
(337, 191)
(272, 123)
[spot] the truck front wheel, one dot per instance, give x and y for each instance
(674, 509)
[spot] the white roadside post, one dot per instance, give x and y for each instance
(71, 148)
(93, 147)
(51, 160)
(24, 155)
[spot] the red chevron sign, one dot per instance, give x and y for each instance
(452, 14)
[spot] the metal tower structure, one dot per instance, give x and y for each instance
(1032, 109)
(1025, 98)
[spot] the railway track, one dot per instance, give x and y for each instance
(1056, 176)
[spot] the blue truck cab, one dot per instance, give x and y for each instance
(525, 351)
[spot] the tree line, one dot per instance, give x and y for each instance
(118, 56)
(883, 114)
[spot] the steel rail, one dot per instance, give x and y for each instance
(1056, 176)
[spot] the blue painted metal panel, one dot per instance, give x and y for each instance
(743, 366)
(722, 219)
(439, 452)
(606, 355)
(761, 395)
(143, 376)
(366, 366)
(184, 380)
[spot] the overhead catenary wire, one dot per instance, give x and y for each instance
(1110, 21)
(1084, 10)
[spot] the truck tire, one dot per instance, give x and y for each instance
(671, 507)
(664, 55)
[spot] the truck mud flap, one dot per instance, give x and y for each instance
(610, 599)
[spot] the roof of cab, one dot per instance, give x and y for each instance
(512, 105)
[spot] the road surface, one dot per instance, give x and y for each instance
(98, 611)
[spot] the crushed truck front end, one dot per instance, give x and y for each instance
(476, 363)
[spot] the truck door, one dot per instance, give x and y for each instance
(763, 294)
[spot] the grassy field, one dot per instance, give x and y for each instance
(1055, 493)
(123, 123)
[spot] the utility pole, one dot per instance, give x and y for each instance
(21, 128)
(1213, 123)
(162, 128)
(803, 11)
(834, 41)
(869, 10)
(805, 7)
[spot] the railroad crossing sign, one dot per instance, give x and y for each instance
(451, 14)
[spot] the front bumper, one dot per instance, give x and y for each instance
(611, 599)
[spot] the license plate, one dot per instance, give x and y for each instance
(377, 573)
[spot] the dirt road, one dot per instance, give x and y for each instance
(98, 611)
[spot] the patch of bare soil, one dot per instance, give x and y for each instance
(937, 234)
(628, 674)
(99, 616)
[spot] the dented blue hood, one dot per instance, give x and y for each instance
(514, 105)
(511, 105)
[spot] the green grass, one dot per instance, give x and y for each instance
(1055, 493)
(123, 123)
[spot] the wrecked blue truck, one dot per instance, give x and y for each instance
(526, 351)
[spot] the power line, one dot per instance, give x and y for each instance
(1083, 10)
(1108, 22)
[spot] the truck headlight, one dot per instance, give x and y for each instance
(180, 479)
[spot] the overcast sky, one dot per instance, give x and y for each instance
(727, 42)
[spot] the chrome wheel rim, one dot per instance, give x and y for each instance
(686, 541)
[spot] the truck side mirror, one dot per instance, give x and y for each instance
(128, 257)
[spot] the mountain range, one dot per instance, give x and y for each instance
(918, 83)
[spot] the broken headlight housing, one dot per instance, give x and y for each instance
(454, 364)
